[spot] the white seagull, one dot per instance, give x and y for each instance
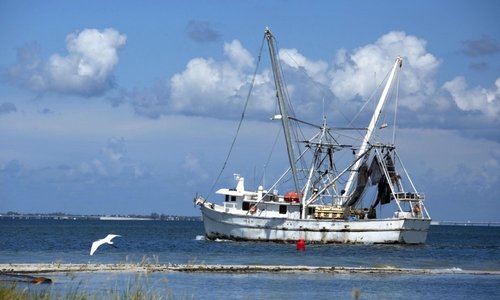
(106, 240)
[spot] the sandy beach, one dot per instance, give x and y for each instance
(128, 267)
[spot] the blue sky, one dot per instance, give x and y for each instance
(123, 107)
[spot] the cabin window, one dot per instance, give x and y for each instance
(245, 206)
(282, 209)
(230, 198)
(310, 211)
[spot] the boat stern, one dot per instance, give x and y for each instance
(414, 231)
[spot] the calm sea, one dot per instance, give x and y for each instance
(68, 241)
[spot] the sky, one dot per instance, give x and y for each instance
(128, 107)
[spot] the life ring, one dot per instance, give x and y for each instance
(253, 209)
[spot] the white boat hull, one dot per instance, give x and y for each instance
(224, 225)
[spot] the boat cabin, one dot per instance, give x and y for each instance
(260, 203)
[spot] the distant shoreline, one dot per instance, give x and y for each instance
(162, 217)
(9, 269)
(63, 216)
(468, 223)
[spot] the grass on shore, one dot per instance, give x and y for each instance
(138, 289)
(14, 292)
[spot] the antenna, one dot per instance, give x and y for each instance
(324, 114)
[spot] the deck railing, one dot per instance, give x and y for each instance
(410, 196)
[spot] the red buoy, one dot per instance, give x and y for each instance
(301, 245)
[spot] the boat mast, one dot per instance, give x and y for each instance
(278, 81)
(371, 127)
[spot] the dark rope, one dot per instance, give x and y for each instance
(241, 119)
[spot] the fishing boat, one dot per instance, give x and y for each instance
(330, 200)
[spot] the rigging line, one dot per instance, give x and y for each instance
(241, 119)
(368, 101)
(269, 157)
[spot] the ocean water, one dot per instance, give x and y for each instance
(182, 242)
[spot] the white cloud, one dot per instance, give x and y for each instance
(83, 168)
(193, 170)
(112, 164)
(207, 85)
(115, 149)
(99, 167)
(86, 70)
(317, 70)
(239, 56)
(479, 99)
(210, 87)
(218, 88)
(358, 72)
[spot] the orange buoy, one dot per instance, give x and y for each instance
(301, 245)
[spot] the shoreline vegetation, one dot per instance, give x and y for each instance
(44, 268)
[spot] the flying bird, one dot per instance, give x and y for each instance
(106, 240)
